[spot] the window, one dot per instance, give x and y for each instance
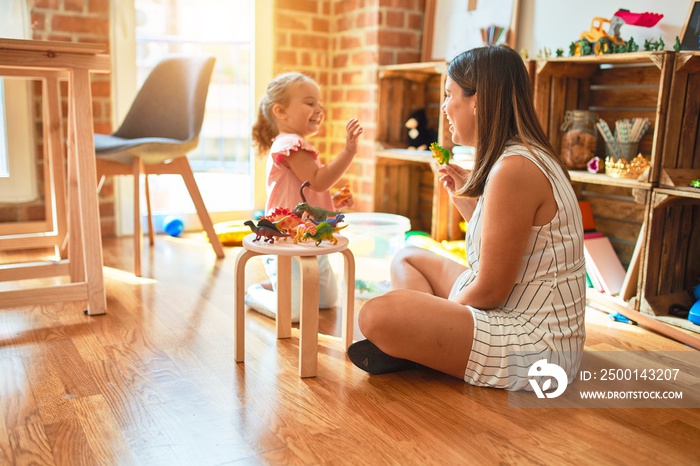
(143, 31)
(223, 162)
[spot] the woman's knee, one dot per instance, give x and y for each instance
(404, 256)
(379, 315)
(374, 316)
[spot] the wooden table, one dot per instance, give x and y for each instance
(306, 254)
(73, 62)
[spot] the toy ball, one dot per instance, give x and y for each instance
(173, 225)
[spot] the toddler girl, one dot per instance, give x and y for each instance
(291, 112)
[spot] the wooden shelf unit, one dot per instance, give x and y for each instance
(657, 236)
(672, 254)
(616, 86)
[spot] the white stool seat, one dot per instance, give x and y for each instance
(305, 253)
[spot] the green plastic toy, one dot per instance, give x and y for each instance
(440, 153)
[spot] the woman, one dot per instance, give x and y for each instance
(524, 293)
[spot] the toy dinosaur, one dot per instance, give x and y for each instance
(440, 153)
(324, 230)
(317, 213)
(266, 230)
(343, 198)
(332, 221)
(284, 219)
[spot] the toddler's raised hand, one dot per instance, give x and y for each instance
(352, 133)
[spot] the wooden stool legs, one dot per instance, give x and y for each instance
(308, 323)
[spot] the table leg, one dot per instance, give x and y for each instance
(239, 299)
(348, 325)
(308, 324)
(284, 296)
(89, 211)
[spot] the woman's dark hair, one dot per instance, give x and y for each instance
(505, 111)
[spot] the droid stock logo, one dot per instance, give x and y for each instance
(544, 372)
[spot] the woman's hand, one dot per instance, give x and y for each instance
(453, 177)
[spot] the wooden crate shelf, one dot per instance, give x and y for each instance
(617, 86)
(681, 154)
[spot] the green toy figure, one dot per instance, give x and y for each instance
(677, 45)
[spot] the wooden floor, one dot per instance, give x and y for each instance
(153, 382)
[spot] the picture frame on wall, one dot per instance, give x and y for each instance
(690, 34)
(453, 26)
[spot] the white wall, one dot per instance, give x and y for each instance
(555, 23)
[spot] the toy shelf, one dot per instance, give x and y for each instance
(654, 222)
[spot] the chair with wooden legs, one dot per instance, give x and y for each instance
(161, 127)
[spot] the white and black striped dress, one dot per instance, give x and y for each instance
(544, 313)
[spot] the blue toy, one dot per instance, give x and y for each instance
(173, 225)
(694, 313)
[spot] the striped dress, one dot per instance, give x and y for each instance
(543, 316)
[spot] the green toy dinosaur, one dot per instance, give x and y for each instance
(324, 230)
(319, 214)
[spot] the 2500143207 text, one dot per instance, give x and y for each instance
(631, 374)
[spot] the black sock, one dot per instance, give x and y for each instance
(365, 355)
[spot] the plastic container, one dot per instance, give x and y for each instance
(375, 234)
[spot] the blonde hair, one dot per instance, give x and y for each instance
(277, 92)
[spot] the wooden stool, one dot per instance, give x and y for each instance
(305, 254)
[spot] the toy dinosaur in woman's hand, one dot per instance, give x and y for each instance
(440, 153)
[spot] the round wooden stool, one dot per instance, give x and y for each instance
(305, 254)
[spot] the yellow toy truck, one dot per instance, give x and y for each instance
(597, 41)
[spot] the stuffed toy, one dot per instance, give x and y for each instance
(419, 135)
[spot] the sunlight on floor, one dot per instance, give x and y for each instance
(126, 277)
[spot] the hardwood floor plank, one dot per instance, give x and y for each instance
(69, 444)
(30, 445)
(6, 452)
(17, 403)
(48, 388)
(102, 433)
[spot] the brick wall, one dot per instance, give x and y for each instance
(341, 43)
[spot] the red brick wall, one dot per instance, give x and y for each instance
(341, 43)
